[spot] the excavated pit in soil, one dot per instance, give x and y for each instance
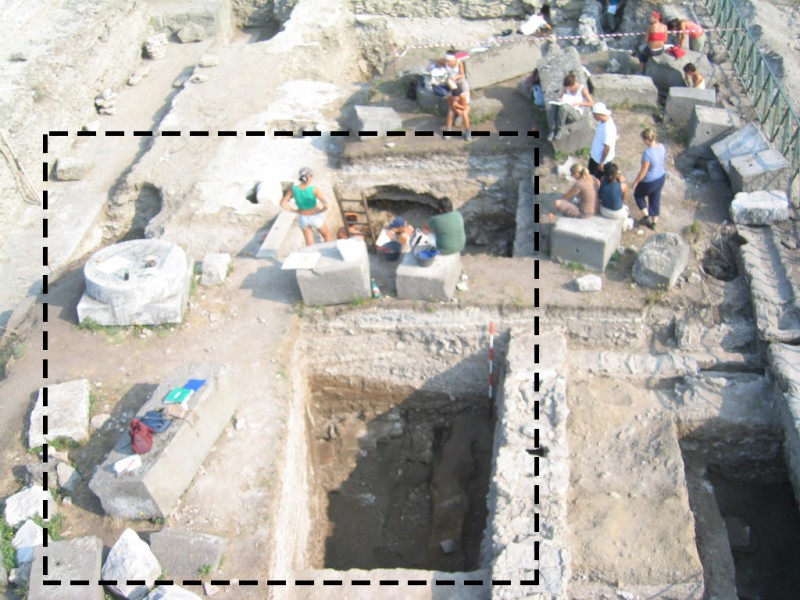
(401, 476)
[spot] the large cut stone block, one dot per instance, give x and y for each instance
(29, 503)
(681, 102)
(139, 282)
(661, 261)
(430, 102)
(334, 280)
(747, 140)
(503, 62)
(76, 559)
(759, 207)
(182, 554)
(667, 71)
(709, 125)
(67, 413)
(576, 135)
(590, 242)
(132, 567)
(376, 118)
(152, 490)
(554, 66)
(436, 282)
(616, 90)
(767, 170)
(277, 233)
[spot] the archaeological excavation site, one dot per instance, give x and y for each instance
(297, 301)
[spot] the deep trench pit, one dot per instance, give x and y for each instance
(759, 521)
(401, 476)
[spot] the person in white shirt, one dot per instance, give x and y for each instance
(605, 140)
(569, 108)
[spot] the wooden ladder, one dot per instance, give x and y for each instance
(357, 207)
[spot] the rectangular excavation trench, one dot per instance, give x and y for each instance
(746, 514)
(400, 476)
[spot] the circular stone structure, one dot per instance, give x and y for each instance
(140, 282)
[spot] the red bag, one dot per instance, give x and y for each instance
(676, 52)
(141, 437)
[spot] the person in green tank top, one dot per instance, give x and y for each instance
(310, 205)
(448, 227)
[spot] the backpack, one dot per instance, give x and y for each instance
(141, 437)
(156, 420)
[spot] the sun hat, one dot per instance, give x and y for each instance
(398, 222)
(600, 109)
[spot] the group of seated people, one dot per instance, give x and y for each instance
(445, 231)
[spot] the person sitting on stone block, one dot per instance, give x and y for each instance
(569, 108)
(692, 78)
(655, 37)
(448, 228)
(400, 231)
(580, 201)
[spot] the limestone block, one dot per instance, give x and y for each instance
(68, 477)
(503, 62)
(484, 109)
(277, 233)
(747, 140)
(667, 71)
(71, 169)
(67, 413)
(130, 559)
(576, 135)
(681, 102)
(616, 90)
(26, 539)
(554, 66)
(76, 559)
(215, 268)
(152, 490)
(334, 280)
(766, 170)
(589, 283)
(590, 242)
(269, 192)
(760, 207)
(661, 261)
(139, 282)
(171, 592)
(155, 47)
(182, 553)
(29, 503)
(208, 60)
(709, 125)
(191, 32)
(430, 102)
(436, 282)
(376, 118)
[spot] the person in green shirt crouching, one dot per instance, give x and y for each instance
(448, 227)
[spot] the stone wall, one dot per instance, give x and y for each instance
(258, 13)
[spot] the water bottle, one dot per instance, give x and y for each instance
(376, 291)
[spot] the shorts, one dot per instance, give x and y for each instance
(312, 221)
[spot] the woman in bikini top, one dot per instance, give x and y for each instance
(656, 35)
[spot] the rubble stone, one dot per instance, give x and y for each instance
(589, 283)
(130, 559)
(661, 261)
(28, 503)
(26, 539)
(67, 413)
(155, 47)
(68, 477)
(215, 268)
(191, 32)
(71, 169)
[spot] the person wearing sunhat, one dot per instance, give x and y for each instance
(603, 147)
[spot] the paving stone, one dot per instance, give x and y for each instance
(71, 169)
(590, 242)
(759, 208)
(191, 32)
(501, 63)
(376, 118)
(661, 261)
(766, 170)
(709, 125)
(68, 477)
(76, 559)
(215, 268)
(334, 280)
(182, 554)
(138, 282)
(681, 102)
(667, 71)
(616, 90)
(130, 559)
(67, 413)
(28, 503)
(26, 539)
(589, 283)
(747, 140)
(435, 282)
(152, 490)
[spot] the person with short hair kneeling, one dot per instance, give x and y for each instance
(448, 228)
(584, 190)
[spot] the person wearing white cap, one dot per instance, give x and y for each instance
(605, 140)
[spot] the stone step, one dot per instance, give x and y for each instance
(526, 223)
(774, 285)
